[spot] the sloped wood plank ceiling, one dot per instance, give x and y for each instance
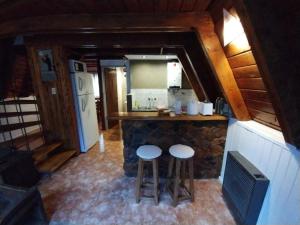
(24, 13)
(245, 70)
(16, 9)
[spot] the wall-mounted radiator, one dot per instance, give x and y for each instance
(244, 188)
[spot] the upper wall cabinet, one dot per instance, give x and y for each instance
(174, 70)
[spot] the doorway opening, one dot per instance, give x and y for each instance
(115, 81)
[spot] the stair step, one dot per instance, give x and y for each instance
(41, 153)
(16, 126)
(21, 141)
(55, 161)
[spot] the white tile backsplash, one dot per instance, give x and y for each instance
(140, 97)
(164, 97)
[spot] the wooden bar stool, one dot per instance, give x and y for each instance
(148, 153)
(182, 154)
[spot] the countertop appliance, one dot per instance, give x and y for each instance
(206, 108)
(84, 99)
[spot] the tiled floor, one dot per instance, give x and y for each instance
(91, 189)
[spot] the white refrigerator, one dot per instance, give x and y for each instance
(82, 84)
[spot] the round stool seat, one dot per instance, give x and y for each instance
(181, 151)
(148, 152)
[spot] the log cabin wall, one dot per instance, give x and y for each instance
(245, 70)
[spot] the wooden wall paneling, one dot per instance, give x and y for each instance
(39, 91)
(57, 111)
(265, 118)
(222, 69)
(243, 59)
(242, 62)
(259, 105)
(251, 83)
(267, 54)
(258, 95)
(66, 99)
(246, 72)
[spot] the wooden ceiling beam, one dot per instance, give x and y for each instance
(221, 69)
(109, 41)
(119, 52)
(202, 66)
(189, 70)
(101, 23)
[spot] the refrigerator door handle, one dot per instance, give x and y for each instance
(83, 104)
(79, 83)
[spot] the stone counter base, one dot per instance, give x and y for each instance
(207, 138)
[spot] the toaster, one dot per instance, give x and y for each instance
(206, 108)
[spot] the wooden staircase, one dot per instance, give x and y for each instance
(50, 157)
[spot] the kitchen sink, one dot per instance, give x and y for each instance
(144, 109)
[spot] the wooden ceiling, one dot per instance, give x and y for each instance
(16, 9)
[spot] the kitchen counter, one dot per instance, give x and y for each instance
(205, 134)
(156, 116)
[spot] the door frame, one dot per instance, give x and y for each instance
(107, 63)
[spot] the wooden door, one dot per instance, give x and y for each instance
(110, 78)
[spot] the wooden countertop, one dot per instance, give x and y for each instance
(155, 116)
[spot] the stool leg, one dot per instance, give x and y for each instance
(170, 170)
(139, 180)
(191, 177)
(183, 167)
(155, 180)
(177, 180)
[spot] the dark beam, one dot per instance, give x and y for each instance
(189, 69)
(203, 68)
(115, 52)
(108, 41)
(103, 23)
